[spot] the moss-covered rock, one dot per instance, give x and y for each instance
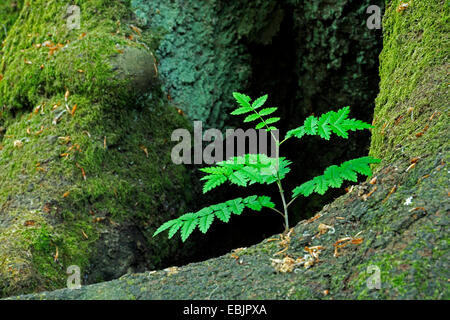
(399, 224)
(9, 11)
(85, 164)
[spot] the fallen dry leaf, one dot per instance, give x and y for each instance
(323, 228)
(284, 265)
(135, 29)
(390, 192)
(171, 271)
(72, 112)
(18, 144)
(341, 243)
(145, 150)
(56, 255)
(29, 223)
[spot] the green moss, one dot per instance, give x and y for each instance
(403, 274)
(9, 11)
(30, 69)
(117, 168)
(413, 66)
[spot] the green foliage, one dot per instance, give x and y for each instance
(259, 168)
(247, 107)
(204, 218)
(246, 170)
(331, 122)
(334, 176)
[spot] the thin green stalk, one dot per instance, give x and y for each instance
(285, 208)
(290, 202)
(265, 124)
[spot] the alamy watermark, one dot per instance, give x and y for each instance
(374, 20)
(374, 281)
(73, 17)
(236, 143)
(74, 278)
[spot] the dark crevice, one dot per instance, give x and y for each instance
(275, 72)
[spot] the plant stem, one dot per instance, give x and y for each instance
(279, 144)
(278, 211)
(290, 202)
(285, 208)
(265, 124)
(280, 187)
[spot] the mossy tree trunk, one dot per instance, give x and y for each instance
(85, 168)
(399, 223)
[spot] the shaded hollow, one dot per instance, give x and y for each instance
(313, 64)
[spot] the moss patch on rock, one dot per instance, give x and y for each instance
(410, 248)
(9, 11)
(85, 156)
(412, 107)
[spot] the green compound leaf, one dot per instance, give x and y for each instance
(176, 226)
(213, 181)
(205, 222)
(259, 102)
(310, 125)
(251, 117)
(187, 228)
(246, 107)
(267, 111)
(260, 125)
(330, 122)
(242, 110)
(204, 218)
(242, 99)
(334, 176)
(272, 120)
